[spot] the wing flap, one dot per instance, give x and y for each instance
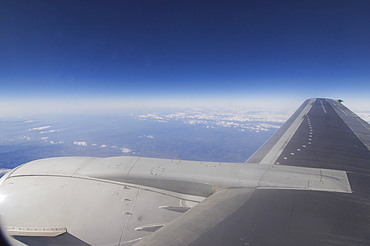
(288, 217)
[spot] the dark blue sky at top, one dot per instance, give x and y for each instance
(113, 49)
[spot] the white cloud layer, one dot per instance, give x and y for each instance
(39, 128)
(50, 131)
(24, 138)
(125, 150)
(255, 120)
(80, 143)
(365, 116)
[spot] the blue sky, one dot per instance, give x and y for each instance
(145, 53)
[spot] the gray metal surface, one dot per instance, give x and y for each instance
(200, 219)
(285, 217)
(330, 136)
(265, 149)
(309, 184)
(279, 146)
(324, 139)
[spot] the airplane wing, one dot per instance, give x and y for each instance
(309, 184)
(322, 134)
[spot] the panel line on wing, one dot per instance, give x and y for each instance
(323, 107)
(127, 216)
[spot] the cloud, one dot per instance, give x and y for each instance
(365, 116)
(60, 142)
(126, 150)
(50, 131)
(255, 119)
(24, 137)
(152, 116)
(39, 128)
(80, 143)
(123, 148)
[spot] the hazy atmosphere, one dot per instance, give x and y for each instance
(89, 56)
